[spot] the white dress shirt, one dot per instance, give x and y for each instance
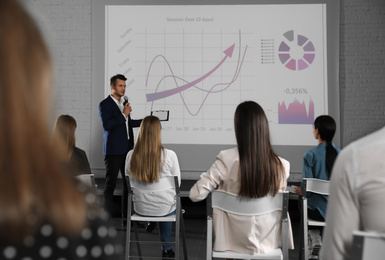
(357, 192)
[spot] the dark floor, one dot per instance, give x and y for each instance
(195, 224)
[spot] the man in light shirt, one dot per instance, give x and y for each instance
(356, 200)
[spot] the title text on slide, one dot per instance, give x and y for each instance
(190, 19)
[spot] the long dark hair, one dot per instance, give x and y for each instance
(327, 128)
(260, 169)
(64, 136)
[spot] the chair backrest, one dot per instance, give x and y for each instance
(87, 179)
(165, 183)
(368, 245)
(234, 204)
(316, 186)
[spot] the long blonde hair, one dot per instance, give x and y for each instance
(146, 160)
(261, 171)
(34, 188)
(64, 136)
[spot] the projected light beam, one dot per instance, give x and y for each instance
(159, 95)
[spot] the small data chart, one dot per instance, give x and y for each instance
(296, 51)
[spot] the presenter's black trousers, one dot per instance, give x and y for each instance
(114, 164)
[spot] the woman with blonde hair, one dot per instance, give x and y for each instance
(148, 162)
(43, 214)
(251, 170)
(73, 159)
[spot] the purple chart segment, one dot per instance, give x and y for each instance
(283, 47)
(309, 47)
(309, 57)
(284, 57)
(301, 40)
(291, 64)
(302, 65)
(296, 54)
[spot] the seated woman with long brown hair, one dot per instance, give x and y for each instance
(148, 162)
(73, 159)
(251, 170)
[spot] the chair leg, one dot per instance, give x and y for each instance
(305, 232)
(183, 238)
(301, 242)
(137, 239)
(177, 234)
(128, 236)
(209, 244)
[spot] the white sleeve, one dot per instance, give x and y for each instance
(209, 180)
(128, 162)
(175, 169)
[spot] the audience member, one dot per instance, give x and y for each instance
(73, 158)
(318, 163)
(43, 214)
(357, 192)
(252, 170)
(148, 162)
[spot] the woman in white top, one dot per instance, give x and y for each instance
(251, 170)
(148, 162)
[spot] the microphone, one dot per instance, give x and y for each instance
(125, 100)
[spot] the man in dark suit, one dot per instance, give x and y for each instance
(118, 139)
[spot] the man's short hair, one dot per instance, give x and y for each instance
(117, 76)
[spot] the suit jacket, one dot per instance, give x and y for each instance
(114, 125)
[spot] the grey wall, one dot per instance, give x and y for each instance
(67, 27)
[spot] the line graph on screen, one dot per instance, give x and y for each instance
(151, 97)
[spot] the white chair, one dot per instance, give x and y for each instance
(316, 186)
(165, 183)
(88, 180)
(250, 207)
(368, 245)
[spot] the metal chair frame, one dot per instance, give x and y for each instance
(316, 186)
(236, 205)
(165, 183)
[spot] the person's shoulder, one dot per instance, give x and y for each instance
(376, 138)
(129, 154)
(229, 153)
(78, 150)
(107, 100)
(170, 153)
(310, 153)
(285, 162)
(365, 145)
(337, 148)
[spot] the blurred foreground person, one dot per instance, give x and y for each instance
(43, 215)
(356, 200)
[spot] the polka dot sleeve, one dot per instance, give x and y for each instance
(96, 241)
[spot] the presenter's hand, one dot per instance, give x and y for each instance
(127, 109)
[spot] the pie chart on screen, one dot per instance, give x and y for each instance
(296, 51)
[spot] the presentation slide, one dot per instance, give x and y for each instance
(194, 64)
